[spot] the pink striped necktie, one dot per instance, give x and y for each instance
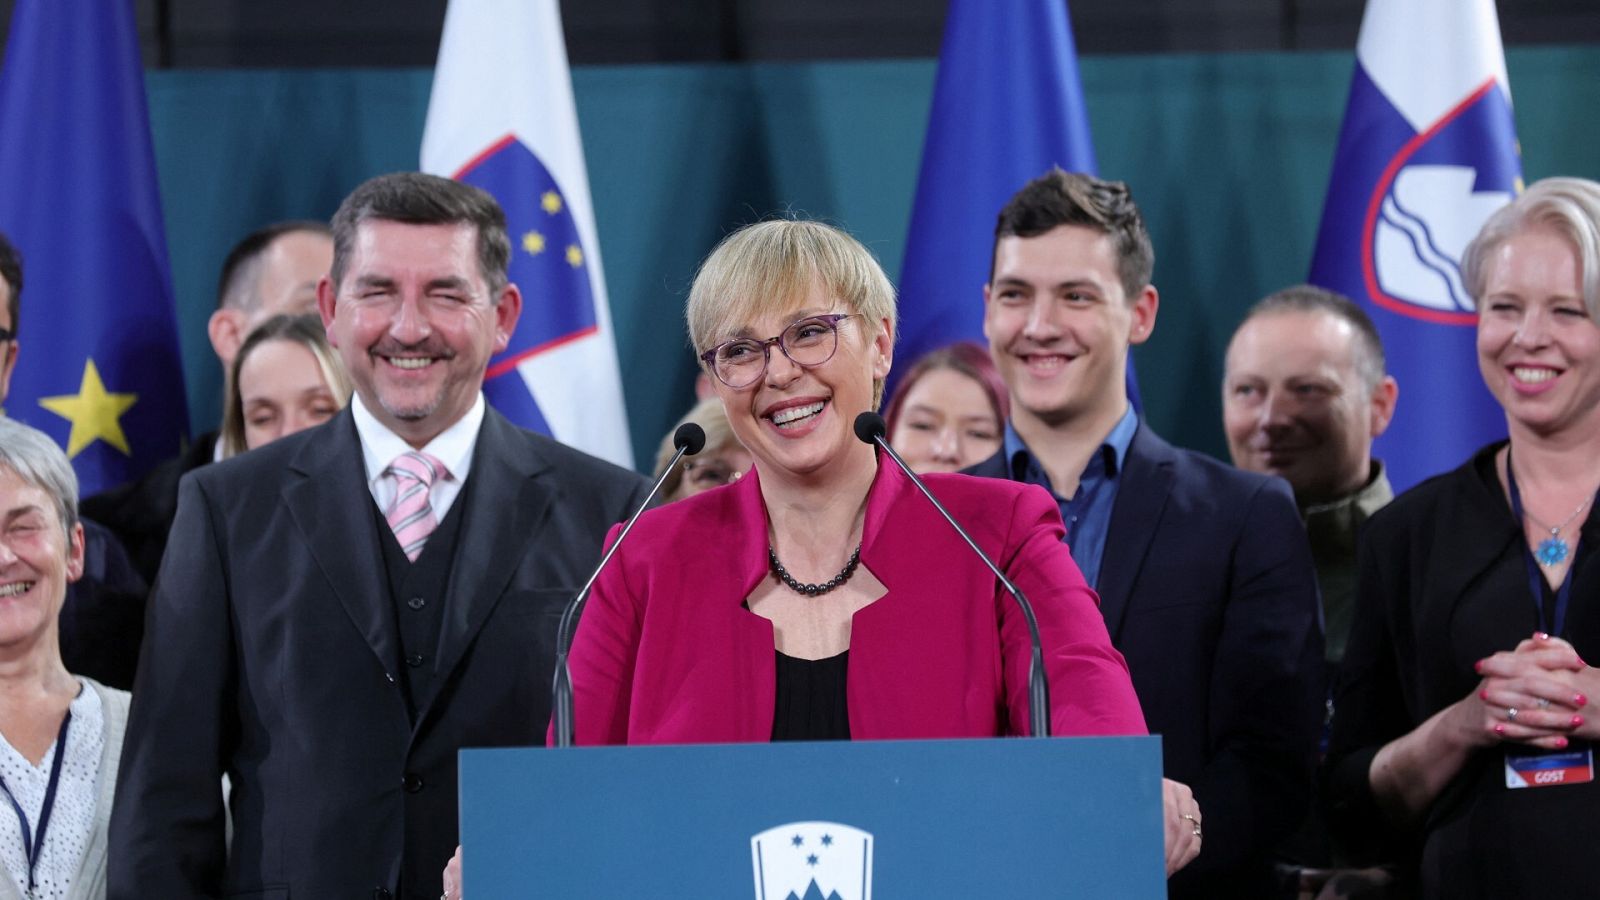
(411, 514)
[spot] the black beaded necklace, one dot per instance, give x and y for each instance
(813, 590)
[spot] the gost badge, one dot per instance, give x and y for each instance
(1538, 768)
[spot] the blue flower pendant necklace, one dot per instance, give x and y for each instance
(1554, 550)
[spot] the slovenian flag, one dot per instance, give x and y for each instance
(1427, 152)
(501, 117)
(98, 366)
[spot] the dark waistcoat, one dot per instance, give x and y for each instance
(417, 594)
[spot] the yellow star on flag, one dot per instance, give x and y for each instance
(533, 242)
(574, 256)
(93, 412)
(551, 202)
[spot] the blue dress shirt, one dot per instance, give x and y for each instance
(1088, 512)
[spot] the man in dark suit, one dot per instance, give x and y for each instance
(271, 271)
(1204, 574)
(342, 610)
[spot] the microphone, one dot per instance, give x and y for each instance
(870, 429)
(689, 439)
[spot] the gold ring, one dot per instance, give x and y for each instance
(1192, 821)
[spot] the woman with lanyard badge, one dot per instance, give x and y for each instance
(1466, 714)
(60, 735)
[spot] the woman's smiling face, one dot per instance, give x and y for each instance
(1538, 349)
(798, 419)
(38, 559)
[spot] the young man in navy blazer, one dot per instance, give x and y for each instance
(1204, 573)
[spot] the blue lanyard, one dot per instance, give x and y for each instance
(33, 842)
(1535, 577)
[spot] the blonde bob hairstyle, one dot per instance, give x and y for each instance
(767, 269)
(1568, 206)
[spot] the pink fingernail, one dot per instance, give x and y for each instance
(1484, 695)
(1500, 729)
(1580, 700)
(1577, 721)
(1541, 636)
(1561, 743)
(1478, 666)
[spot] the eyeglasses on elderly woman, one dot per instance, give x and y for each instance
(808, 342)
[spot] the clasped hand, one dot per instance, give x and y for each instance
(1537, 694)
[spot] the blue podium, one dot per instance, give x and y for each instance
(1002, 818)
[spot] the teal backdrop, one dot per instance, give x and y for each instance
(1228, 156)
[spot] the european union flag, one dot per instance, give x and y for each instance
(1427, 152)
(98, 365)
(1007, 106)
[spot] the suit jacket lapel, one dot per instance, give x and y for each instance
(1142, 492)
(332, 505)
(508, 507)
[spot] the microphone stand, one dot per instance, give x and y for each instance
(689, 439)
(870, 429)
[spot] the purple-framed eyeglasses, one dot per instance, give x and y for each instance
(808, 342)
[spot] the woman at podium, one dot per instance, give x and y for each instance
(821, 596)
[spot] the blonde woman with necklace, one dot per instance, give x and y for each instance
(1467, 715)
(837, 605)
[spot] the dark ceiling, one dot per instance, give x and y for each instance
(340, 33)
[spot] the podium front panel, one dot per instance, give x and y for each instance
(1065, 817)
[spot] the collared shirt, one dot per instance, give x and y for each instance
(453, 447)
(1088, 512)
(1332, 528)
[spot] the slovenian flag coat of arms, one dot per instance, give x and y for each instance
(1427, 152)
(502, 117)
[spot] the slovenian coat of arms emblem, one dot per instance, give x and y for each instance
(812, 861)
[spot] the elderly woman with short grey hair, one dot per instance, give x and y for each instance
(60, 734)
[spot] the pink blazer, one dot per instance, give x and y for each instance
(666, 652)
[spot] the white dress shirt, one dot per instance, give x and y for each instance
(453, 447)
